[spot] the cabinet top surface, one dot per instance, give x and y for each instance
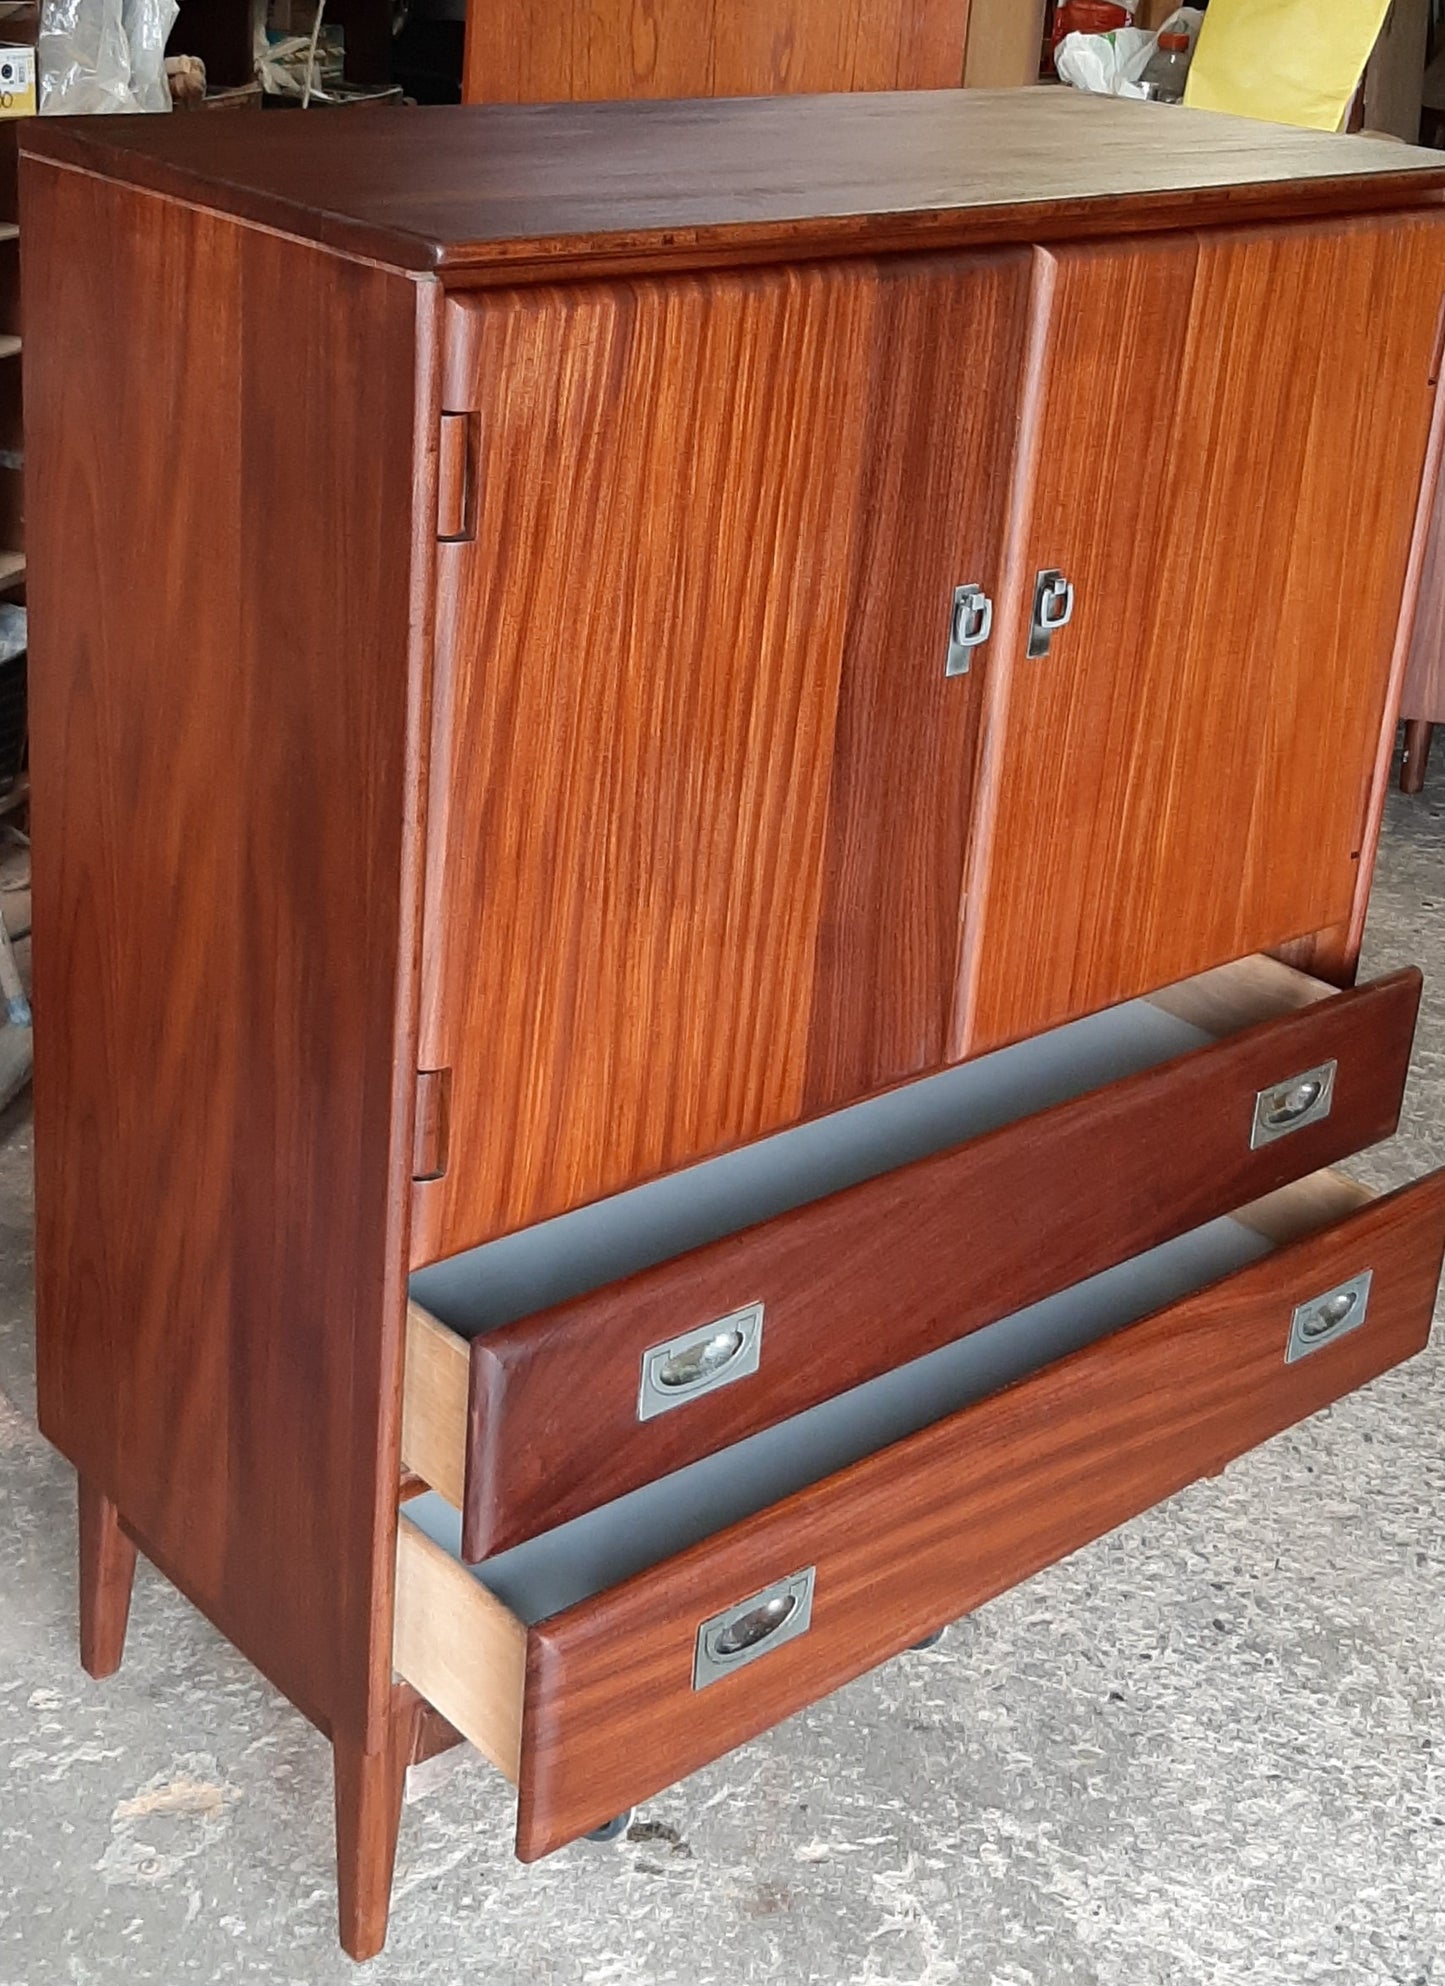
(492, 192)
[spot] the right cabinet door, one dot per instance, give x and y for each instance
(1223, 450)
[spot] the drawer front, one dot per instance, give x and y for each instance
(922, 1532)
(561, 1414)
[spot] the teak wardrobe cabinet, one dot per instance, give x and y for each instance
(619, 633)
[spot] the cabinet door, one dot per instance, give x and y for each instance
(1227, 438)
(701, 786)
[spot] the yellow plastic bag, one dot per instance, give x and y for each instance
(1287, 61)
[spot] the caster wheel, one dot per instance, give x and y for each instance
(930, 1640)
(612, 1830)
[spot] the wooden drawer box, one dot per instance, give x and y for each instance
(658, 1328)
(594, 1666)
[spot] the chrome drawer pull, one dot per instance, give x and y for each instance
(1325, 1318)
(753, 1627)
(969, 627)
(701, 1360)
(1288, 1106)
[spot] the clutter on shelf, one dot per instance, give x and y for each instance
(103, 55)
(1128, 61)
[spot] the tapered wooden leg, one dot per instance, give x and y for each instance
(107, 1571)
(370, 1787)
(1418, 732)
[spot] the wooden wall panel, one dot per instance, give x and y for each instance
(1185, 778)
(545, 51)
(677, 901)
(225, 723)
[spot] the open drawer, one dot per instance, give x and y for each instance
(563, 1366)
(614, 1656)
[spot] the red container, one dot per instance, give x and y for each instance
(1086, 17)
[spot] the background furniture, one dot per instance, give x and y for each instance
(1423, 702)
(546, 51)
(738, 673)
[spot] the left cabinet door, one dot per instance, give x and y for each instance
(701, 785)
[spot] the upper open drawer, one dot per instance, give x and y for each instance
(566, 1365)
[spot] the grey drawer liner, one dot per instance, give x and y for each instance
(595, 1551)
(557, 1259)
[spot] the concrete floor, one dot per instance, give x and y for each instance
(1204, 1752)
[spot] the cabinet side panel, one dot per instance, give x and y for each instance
(222, 439)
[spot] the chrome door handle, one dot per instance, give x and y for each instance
(1053, 609)
(969, 627)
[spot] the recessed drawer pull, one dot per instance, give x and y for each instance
(1325, 1318)
(700, 1361)
(1290, 1105)
(754, 1627)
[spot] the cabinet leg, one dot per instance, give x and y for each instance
(1418, 732)
(370, 1787)
(107, 1570)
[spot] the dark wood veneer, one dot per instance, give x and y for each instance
(491, 193)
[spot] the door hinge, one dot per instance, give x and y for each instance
(432, 1134)
(456, 476)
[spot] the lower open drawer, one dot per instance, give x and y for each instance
(608, 1658)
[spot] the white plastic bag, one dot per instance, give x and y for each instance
(1106, 65)
(103, 55)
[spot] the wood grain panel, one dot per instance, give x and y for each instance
(937, 1249)
(711, 518)
(550, 51)
(934, 1526)
(492, 193)
(225, 728)
(1185, 778)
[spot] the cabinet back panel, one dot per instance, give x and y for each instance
(1231, 430)
(701, 789)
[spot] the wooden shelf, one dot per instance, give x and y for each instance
(9, 230)
(12, 569)
(9, 344)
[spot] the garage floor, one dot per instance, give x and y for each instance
(1206, 1751)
